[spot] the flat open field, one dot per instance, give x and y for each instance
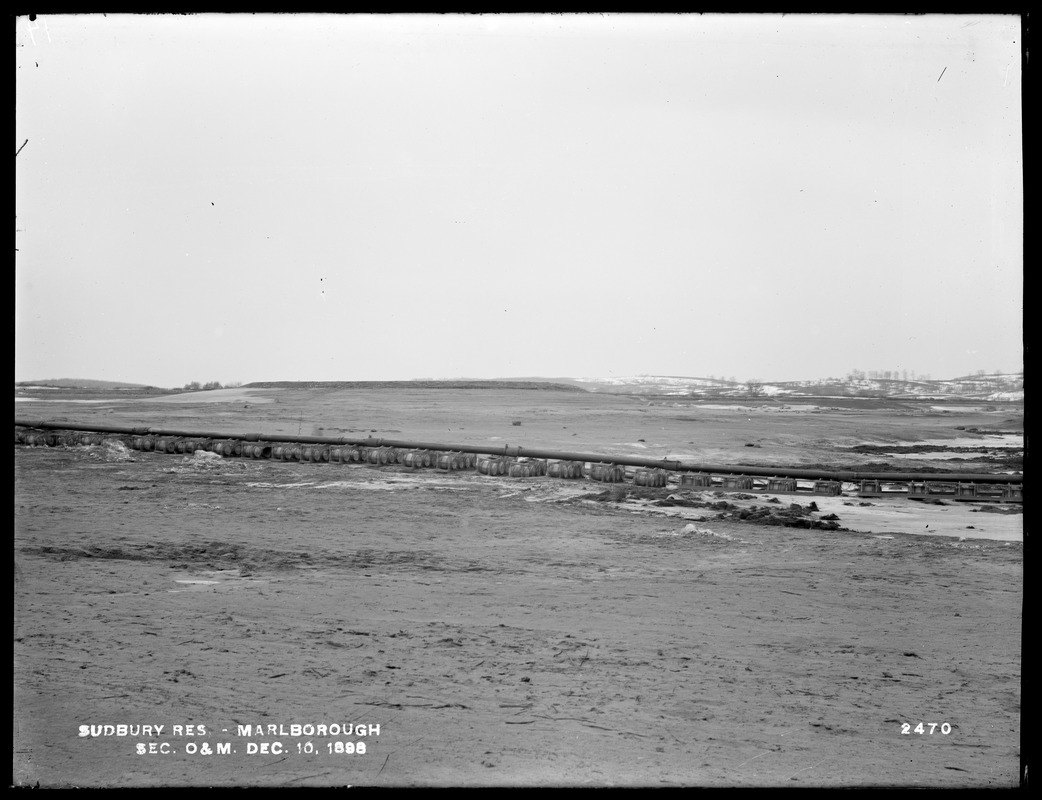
(511, 631)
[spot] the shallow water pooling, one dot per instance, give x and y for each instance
(996, 440)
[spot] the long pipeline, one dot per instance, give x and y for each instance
(518, 452)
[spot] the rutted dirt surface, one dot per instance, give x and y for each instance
(498, 631)
(494, 640)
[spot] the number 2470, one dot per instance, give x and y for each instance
(906, 727)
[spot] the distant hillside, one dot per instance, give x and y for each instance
(459, 384)
(82, 383)
(990, 388)
(996, 388)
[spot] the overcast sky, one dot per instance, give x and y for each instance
(241, 198)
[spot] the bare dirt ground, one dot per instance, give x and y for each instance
(501, 631)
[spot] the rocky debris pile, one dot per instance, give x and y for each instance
(795, 516)
(693, 530)
(110, 450)
(792, 516)
(691, 502)
(204, 459)
(1000, 509)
